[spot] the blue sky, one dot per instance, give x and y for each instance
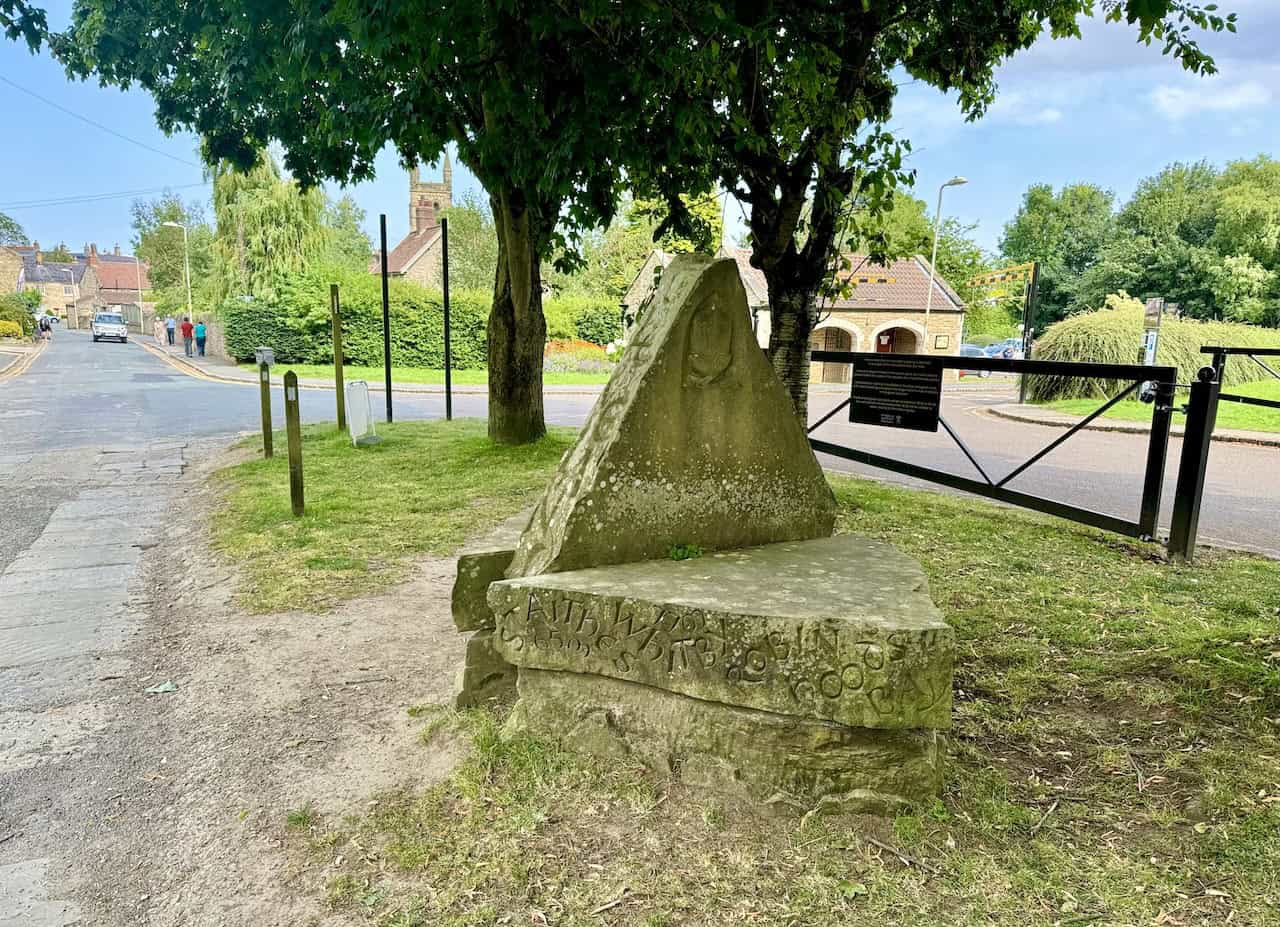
(1103, 109)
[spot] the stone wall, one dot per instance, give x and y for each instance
(10, 268)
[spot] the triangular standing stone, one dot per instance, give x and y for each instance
(693, 442)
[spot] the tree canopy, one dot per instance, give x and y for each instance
(11, 231)
(1204, 238)
(554, 105)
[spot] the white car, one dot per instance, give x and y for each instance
(109, 325)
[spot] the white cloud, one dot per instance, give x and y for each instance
(1177, 103)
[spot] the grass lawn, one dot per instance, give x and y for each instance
(1115, 757)
(427, 375)
(1230, 414)
(370, 511)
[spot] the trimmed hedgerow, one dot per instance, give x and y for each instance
(1114, 336)
(295, 322)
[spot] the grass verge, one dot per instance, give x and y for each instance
(370, 511)
(1230, 414)
(1115, 760)
(429, 376)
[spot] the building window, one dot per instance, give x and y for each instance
(67, 291)
(941, 342)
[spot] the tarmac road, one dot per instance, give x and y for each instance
(80, 393)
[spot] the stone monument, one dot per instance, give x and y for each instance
(782, 663)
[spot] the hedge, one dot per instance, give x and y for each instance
(14, 308)
(1114, 336)
(9, 329)
(295, 324)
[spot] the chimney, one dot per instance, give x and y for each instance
(116, 249)
(448, 172)
(35, 246)
(93, 255)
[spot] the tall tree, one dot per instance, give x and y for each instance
(539, 122)
(785, 102)
(162, 247)
(349, 244)
(473, 243)
(1064, 231)
(11, 231)
(267, 228)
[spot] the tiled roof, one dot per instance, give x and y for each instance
(115, 271)
(908, 291)
(118, 272)
(49, 271)
(406, 254)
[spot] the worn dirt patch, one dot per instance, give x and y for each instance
(272, 713)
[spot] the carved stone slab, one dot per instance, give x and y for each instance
(839, 629)
(693, 442)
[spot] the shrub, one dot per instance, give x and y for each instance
(983, 341)
(296, 323)
(590, 318)
(997, 319)
(14, 308)
(10, 329)
(1114, 336)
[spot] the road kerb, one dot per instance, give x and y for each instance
(1016, 412)
(20, 366)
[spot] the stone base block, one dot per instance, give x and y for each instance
(480, 564)
(485, 676)
(760, 755)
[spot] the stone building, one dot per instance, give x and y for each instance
(10, 271)
(884, 312)
(91, 282)
(69, 288)
(418, 256)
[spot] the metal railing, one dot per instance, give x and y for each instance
(1145, 526)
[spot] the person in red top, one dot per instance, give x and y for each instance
(187, 329)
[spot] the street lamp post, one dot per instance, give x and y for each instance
(937, 226)
(186, 259)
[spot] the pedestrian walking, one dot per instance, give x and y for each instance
(157, 331)
(170, 326)
(188, 334)
(201, 334)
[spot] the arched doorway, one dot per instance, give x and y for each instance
(897, 340)
(830, 339)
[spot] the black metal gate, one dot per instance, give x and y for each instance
(1162, 379)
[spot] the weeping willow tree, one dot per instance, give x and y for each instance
(267, 228)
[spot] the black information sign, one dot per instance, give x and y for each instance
(896, 390)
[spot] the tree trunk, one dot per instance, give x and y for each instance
(517, 330)
(791, 320)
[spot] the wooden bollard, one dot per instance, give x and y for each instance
(335, 312)
(264, 390)
(293, 427)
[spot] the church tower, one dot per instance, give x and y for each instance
(428, 200)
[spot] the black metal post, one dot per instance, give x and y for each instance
(1029, 325)
(1157, 455)
(448, 344)
(386, 315)
(1202, 413)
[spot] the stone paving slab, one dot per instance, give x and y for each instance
(52, 557)
(23, 609)
(100, 579)
(34, 643)
(25, 901)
